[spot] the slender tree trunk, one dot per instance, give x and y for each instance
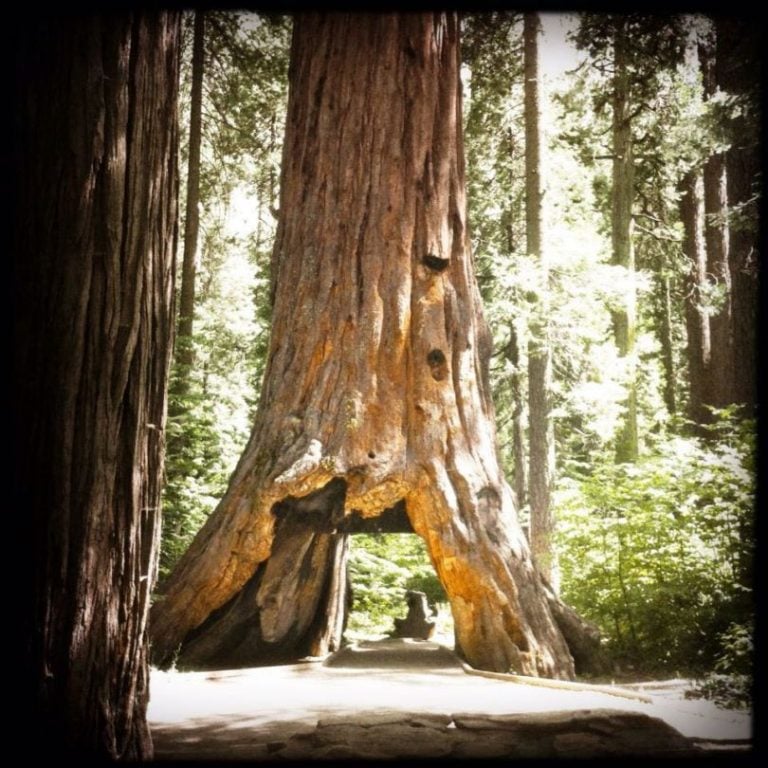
(720, 389)
(664, 323)
(377, 379)
(520, 479)
(738, 73)
(95, 225)
(540, 428)
(696, 317)
(622, 196)
(185, 354)
(512, 353)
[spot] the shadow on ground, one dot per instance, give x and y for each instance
(413, 699)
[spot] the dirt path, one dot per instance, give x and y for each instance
(385, 698)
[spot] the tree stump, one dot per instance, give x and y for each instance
(417, 623)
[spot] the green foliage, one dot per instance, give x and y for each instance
(382, 568)
(492, 77)
(211, 406)
(730, 685)
(581, 286)
(655, 42)
(195, 473)
(659, 554)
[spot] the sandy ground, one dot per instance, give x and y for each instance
(268, 704)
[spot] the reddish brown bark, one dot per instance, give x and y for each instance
(377, 376)
(720, 390)
(94, 237)
(664, 327)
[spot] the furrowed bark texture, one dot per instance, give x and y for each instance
(95, 228)
(377, 373)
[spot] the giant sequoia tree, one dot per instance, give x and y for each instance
(95, 165)
(376, 393)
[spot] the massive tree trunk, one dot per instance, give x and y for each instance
(696, 317)
(377, 378)
(622, 196)
(540, 428)
(738, 74)
(94, 239)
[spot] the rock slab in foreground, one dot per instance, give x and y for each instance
(585, 733)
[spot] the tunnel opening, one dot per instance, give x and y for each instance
(333, 578)
(384, 569)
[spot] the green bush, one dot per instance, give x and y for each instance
(382, 568)
(659, 553)
(730, 685)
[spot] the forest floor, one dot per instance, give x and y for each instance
(402, 698)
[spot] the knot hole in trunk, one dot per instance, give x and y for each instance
(435, 263)
(437, 364)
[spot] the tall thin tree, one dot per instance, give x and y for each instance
(664, 322)
(720, 387)
(738, 73)
(520, 466)
(698, 348)
(631, 51)
(185, 353)
(541, 430)
(622, 196)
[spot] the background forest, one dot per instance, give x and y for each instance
(641, 300)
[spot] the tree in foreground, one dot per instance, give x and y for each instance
(95, 164)
(376, 396)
